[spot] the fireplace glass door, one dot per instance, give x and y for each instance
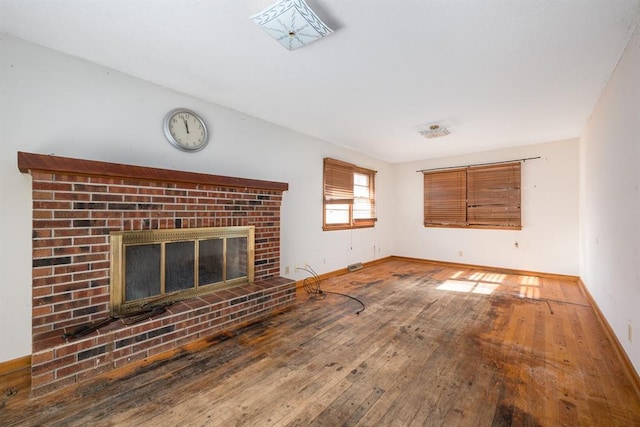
(179, 266)
(169, 265)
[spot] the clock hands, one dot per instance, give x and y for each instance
(192, 137)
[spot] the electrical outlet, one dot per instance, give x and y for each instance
(286, 270)
(629, 332)
(460, 253)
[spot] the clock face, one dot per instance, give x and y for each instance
(185, 130)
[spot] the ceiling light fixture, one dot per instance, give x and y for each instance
(292, 23)
(434, 131)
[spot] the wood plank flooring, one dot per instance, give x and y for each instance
(436, 345)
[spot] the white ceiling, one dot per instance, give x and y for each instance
(497, 73)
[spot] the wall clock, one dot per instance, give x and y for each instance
(185, 130)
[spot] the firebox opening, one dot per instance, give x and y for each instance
(171, 265)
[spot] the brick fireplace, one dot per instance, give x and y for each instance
(78, 203)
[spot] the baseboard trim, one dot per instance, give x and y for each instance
(618, 348)
(15, 364)
(344, 271)
(487, 267)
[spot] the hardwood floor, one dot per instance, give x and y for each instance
(436, 345)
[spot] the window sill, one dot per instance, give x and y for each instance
(476, 227)
(346, 227)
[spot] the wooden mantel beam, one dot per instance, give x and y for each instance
(28, 162)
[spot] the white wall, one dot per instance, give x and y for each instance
(51, 103)
(610, 201)
(56, 104)
(548, 241)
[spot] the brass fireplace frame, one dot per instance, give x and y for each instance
(121, 239)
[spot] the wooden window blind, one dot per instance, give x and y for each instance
(445, 201)
(493, 195)
(474, 197)
(338, 181)
(348, 196)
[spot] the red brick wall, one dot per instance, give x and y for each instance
(72, 218)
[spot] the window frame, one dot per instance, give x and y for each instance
(339, 188)
(490, 194)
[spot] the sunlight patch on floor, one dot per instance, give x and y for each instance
(532, 292)
(457, 274)
(488, 283)
(476, 283)
(529, 280)
(457, 286)
(488, 277)
(485, 288)
(468, 287)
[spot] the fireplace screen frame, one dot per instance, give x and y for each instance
(120, 240)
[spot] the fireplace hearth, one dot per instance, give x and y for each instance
(78, 205)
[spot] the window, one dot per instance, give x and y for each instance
(349, 196)
(474, 197)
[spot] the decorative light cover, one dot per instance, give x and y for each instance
(292, 23)
(434, 131)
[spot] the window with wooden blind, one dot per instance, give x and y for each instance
(474, 197)
(445, 197)
(348, 196)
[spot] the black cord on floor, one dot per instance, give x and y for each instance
(312, 286)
